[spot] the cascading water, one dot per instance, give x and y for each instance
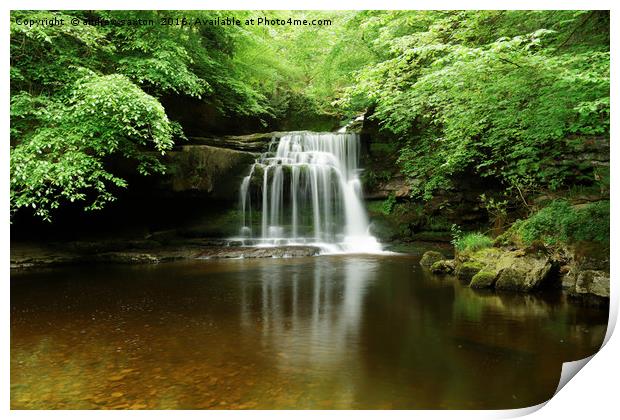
(307, 192)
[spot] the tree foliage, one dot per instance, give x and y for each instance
(506, 95)
(503, 94)
(85, 95)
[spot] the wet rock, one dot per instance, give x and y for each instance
(568, 280)
(258, 142)
(430, 257)
(214, 171)
(522, 274)
(383, 229)
(443, 267)
(126, 258)
(397, 186)
(594, 283)
(467, 270)
(516, 270)
(60, 256)
(483, 280)
(260, 252)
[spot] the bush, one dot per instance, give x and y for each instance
(388, 204)
(559, 222)
(472, 242)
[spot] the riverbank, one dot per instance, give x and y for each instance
(528, 270)
(28, 255)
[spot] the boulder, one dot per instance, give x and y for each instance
(382, 229)
(467, 270)
(430, 257)
(522, 273)
(483, 279)
(443, 267)
(503, 269)
(594, 283)
(568, 281)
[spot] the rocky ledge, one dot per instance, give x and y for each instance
(526, 270)
(143, 252)
(258, 142)
(260, 252)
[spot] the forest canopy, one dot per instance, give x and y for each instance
(502, 94)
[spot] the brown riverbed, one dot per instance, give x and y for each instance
(317, 332)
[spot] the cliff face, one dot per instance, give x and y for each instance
(211, 171)
(197, 196)
(396, 216)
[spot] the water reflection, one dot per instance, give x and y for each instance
(328, 332)
(312, 314)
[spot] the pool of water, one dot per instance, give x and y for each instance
(326, 332)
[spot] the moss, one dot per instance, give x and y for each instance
(442, 267)
(560, 223)
(431, 257)
(438, 223)
(431, 236)
(374, 207)
(383, 230)
(483, 279)
(468, 269)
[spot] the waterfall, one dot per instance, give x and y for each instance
(307, 191)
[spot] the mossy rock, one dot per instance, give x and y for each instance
(443, 267)
(486, 256)
(431, 257)
(383, 229)
(483, 279)
(468, 269)
(592, 282)
(523, 274)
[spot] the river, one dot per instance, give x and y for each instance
(328, 332)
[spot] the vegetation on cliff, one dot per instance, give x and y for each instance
(506, 95)
(515, 98)
(84, 97)
(561, 223)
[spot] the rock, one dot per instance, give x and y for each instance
(515, 270)
(209, 170)
(125, 258)
(568, 281)
(592, 282)
(430, 257)
(430, 236)
(383, 230)
(522, 274)
(258, 142)
(467, 270)
(196, 248)
(483, 279)
(443, 267)
(398, 186)
(260, 252)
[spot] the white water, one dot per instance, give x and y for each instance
(307, 192)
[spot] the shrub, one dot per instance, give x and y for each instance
(388, 204)
(472, 242)
(559, 222)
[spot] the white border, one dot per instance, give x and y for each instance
(592, 395)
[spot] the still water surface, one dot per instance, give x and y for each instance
(323, 332)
